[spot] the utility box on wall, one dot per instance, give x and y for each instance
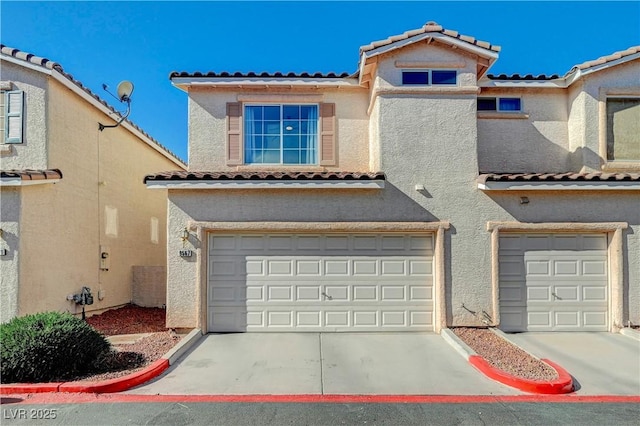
(105, 254)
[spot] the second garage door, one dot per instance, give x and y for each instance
(351, 282)
(553, 282)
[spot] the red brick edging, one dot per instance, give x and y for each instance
(563, 384)
(105, 386)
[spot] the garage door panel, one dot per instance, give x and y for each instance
(537, 267)
(537, 294)
(538, 319)
(513, 318)
(594, 294)
(564, 282)
(594, 319)
(512, 292)
(596, 268)
(321, 283)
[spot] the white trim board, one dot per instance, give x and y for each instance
(267, 184)
(559, 186)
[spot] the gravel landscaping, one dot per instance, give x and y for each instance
(130, 358)
(504, 355)
(133, 319)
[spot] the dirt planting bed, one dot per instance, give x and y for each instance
(129, 358)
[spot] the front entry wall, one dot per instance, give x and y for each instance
(320, 282)
(553, 282)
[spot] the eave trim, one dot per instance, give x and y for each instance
(560, 186)
(266, 184)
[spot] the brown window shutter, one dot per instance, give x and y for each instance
(234, 134)
(327, 134)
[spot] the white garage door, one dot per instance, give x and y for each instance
(320, 282)
(553, 282)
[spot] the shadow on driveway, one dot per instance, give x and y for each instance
(323, 363)
(601, 363)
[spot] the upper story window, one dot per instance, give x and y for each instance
(281, 134)
(500, 104)
(11, 116)
(430, 77)
(623, 129)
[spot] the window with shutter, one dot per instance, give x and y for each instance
(327, 134)
(13, 110)
(3, 114)
(285, 134)
(234, 134)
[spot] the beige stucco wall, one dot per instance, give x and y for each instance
(9, 264)
(101, 201)
(149, 287)
(207, 125)
(536, 140)
(430, 137)
(585, 122)
(32, 153)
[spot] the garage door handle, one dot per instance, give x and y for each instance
(555, 296)
(327, 296)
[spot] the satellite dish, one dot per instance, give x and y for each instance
(125, 89)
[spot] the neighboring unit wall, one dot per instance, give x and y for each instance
(586, 117)
(32, 152)
(100, 204)
(10, 262)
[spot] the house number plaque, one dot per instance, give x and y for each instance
(186, 253)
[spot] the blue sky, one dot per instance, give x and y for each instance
(107, 42)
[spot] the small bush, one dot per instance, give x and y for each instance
(48, 346)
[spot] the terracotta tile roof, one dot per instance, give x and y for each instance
(586, 65)
(251, 74)
(528, 77)
(29, 174)
(556, 177)
(262, 175)
(429, 27)
(608, 58)
(51, 65)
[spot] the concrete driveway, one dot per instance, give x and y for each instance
(600, 363)
(323, 363)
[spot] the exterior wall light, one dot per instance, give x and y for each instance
(125, 89)
(185, 235)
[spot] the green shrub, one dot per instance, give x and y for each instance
(48, 346)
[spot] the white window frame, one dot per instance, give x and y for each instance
(8, 114)
(429, 72)
(606, 102)
(281, 105)
(604, 94)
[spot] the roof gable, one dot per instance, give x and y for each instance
(54, 69)
(431, 32)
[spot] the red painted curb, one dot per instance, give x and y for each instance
(110, 398)
(118, 384)
(563, 384)
(29, 388)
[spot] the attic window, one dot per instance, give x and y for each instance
(429, 77)
(500, 104)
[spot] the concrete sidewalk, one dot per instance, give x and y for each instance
(600, 363)
(323, 363)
